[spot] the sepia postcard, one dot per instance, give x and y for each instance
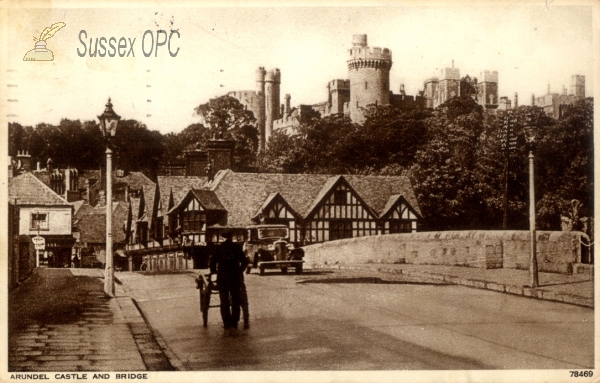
(389, 191)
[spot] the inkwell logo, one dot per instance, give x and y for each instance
(41, 53)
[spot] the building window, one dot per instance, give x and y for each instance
(340, 229)
(339, 197)
(193, 220)
(158, 230)
(39, 221)
(142, 232)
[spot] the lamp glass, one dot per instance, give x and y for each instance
(530, 133)
(109, 121)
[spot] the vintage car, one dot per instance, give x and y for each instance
(267, 248)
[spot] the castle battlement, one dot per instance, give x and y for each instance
(450, 74)
(339, 84)
(273, 76)
(489, 76)
(260, 74)
(369, 53)
(242, 93)
(578, 79)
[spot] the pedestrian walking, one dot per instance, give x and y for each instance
(228, 263)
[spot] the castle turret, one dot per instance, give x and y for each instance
(339, 94)
(260, 115)
(578, 86)
(488, 89)
(369, 74)
(287, 108)
(272, 84)
(449, 84)
(431, 92)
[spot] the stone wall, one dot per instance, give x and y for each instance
(556, 251)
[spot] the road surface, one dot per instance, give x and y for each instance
(341, 321)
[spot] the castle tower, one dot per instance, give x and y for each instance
(272, 84)
(339, 94)
(488, 89)
(449, 84)
(578, 85)
(260, 113)
(369, 74)
(431, 92)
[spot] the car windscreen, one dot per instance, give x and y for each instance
(272, 232)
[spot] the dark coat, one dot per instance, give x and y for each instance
(228, 262)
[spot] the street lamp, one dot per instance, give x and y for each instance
(530, 133)
(108, 124)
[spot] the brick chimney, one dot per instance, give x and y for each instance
(23, 160)
(220, 154)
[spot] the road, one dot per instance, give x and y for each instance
(339, 322)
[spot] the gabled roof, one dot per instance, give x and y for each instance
(207, 199)
(179, 185)
(376, 190)
(243, 194)
(29, 190)
(392, 201)
(272, 197)
(92, 227)
(324, 190)
(135, 180)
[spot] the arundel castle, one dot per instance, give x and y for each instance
(368, 83)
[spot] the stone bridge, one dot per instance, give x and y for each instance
(557, 251)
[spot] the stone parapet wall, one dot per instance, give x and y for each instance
(556, 251)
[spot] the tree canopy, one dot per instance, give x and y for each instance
(456, 155)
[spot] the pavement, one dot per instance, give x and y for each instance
(577, 289)
(60, 319)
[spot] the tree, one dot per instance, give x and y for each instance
(136, 148)
(226, 118)
(390, 136)
(565, 166)
(443, 174)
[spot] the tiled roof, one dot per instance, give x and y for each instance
(180, 186)
(135, 180)
(376, 190)
(85, 208)
(149, 195)
(29, 190)
(242, 194)
(92, 226)
(208, 199)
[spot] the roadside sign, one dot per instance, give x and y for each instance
(39, 242)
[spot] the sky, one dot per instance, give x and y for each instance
(220, 49)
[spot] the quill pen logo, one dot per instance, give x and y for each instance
(41, 53)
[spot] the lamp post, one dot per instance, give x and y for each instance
(530, 133)
(108, 124)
